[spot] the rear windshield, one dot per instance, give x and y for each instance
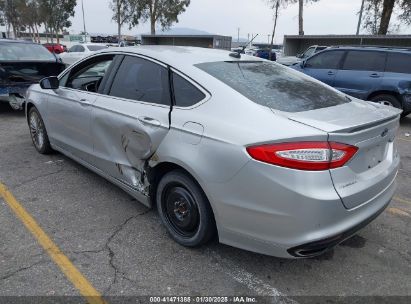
(14, 51)
(274, 85)
(95, 48)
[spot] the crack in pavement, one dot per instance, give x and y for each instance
(29, 181)
(111, 252)
(7, 276)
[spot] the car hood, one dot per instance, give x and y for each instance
(288, 60)
(27, 72)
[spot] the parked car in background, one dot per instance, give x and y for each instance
(274, 161)
(22, 64)
(251, 51)
(265, 54)
(56, 48)
(291, 60)
(238, 50)
(377, 74)
(79, 51)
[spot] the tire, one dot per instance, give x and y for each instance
(184, 210)
(38, 132)
(388, 100)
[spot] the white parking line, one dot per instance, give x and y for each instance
(252, 282)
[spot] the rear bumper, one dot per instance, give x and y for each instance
(318, 247)
(274, 211)
(14, 95)
(6, 91)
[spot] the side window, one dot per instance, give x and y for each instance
(80, 49)
(142, 80)
(365, 61)
(88, 75)
(185, 93)
(325, 60)
(63, 80)
(398, 63)
(73, 49)
(308, 52)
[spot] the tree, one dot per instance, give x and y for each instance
(164, 12)
(275, 5)
(301, 14)
(11, 15)
(55, 15)
(372, 13)
(405, 15)
(388, 7)
(378, 15)
(123, 11)
(360, 17)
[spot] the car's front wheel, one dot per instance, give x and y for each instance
(184, 209)
(38, 132)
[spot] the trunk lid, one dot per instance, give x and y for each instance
(370, 127)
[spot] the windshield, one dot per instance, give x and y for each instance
(95, 48)
(14, 51)
(274, 85)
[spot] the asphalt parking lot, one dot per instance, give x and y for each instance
(120, 247)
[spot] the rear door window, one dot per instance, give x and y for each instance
(365, 61)
(398, 63)
(185, 93)
(326, 60)
(142, 80)
(274, 85)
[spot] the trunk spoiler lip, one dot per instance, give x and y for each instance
(389, 114)
(353, 129)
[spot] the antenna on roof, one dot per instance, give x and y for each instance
(237, 54)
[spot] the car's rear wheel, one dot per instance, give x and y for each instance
(388, 100)
(38, 132)
(184, 209)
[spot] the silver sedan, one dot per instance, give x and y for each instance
(264, 157)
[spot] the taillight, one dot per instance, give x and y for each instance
(312, 156)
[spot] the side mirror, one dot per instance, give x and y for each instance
(50, 83)
(299, 56)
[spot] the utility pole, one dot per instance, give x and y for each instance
(84, 22)
(360, 18)
(268, 38)
(238, 35)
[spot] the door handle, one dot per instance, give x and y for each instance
(149, 121)
(330, 73)
(375, 75)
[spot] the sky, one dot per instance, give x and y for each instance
(224, 17)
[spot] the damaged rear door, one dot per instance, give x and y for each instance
(131, 120)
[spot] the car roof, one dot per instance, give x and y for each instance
(181, 55)
(16, 41)
(373, 48)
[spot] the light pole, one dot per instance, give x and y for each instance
(84, 22)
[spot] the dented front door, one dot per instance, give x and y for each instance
(125, 135)
(131, 121)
